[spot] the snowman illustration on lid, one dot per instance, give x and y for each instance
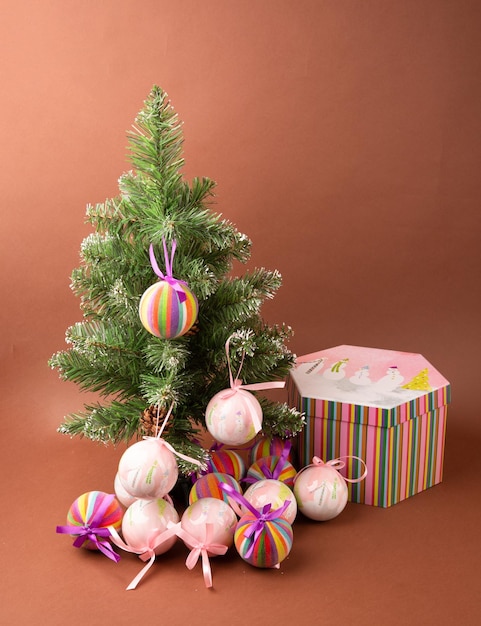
(391, 381)
(361, 377)
(336, 371)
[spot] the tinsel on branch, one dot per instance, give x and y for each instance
(111, 353)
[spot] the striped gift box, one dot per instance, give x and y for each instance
(387, 407)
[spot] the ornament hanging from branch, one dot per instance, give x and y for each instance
(234, 416)
(168, 308)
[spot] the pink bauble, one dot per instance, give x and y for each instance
(321, 492)
(145, 521)
(272, 492)
(233, 416)
(148, 469)
(122, 496)
(217, 513)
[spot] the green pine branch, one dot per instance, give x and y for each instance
(112, 354)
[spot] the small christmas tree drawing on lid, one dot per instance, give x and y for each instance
(170, 352)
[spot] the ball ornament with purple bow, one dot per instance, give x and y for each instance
(89, 519)
(168, 308)
(263, 537)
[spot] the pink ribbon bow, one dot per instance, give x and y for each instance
(337, 464)
(236, 384)
(91, 531)
(146, 553)
(174, 282)
(201, 549)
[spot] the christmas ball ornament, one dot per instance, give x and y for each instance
(227, 462)
(321, 492)
(212, 512)
(88, 520)
(148, 469)
(271, 446)
(272, 492)
(272, 467)
(149, 529)
(262, 540)
(122, 495)
(207, 528)
(168, 308)
(144, 523)
(233, 417)
(208, 486)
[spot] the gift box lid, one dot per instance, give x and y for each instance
(367, 385)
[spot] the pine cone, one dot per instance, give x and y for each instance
(152, 419)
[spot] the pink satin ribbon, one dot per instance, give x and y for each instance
(146, 553)
(168, 267)
(236, 384)
(337, 464)
(170, 447)
(200, 549)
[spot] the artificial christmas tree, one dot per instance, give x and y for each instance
(136, 373)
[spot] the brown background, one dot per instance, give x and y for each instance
(345, 139)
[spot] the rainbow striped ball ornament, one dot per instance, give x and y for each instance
(227, 462)
(88, 520)
(209, 486)
(168, 311)
(263, 542)
(272, 467)
(168, 308)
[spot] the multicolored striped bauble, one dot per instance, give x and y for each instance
(99, 506)
(271, 446)
(168, 309)
(263, 542)
(227, 462)
(208, 486)
(274, 467)
(91, 514)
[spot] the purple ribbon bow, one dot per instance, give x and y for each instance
(267, 514)
(91, 531)
(174, 282)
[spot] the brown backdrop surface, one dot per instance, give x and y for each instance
(345, 140)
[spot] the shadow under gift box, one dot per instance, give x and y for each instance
(387, 407)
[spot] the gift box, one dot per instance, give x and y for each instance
(386, 407)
